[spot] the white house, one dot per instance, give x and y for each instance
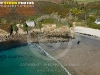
(30, 23)
(97, 21)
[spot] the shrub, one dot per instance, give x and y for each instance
(70, 24)
(48, 21)
(14, 27)
(95, 26)
(25, 27)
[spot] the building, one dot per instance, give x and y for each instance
(30, 23)
(97, 21)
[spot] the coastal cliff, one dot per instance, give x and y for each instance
(61, 34)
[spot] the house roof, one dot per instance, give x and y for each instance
(30, 23)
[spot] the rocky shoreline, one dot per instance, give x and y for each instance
(37, 37)
(47, 34)
(12, 41)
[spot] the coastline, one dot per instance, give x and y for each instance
(56, 61)
(70, 61)
(79, 59)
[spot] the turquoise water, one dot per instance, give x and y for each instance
(24, 60)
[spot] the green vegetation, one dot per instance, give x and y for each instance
(60, 24)
(83, 14)
(95, 26)
(14, 27)
(91, 19)
(70, 24)
(84, 24)
(48, 21)
(25, 28)
(39, 25)
(76, 12)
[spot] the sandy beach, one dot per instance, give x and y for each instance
(82, 59)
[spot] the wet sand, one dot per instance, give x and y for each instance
(82, 59)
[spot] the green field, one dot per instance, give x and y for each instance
(87, 0)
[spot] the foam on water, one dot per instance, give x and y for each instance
(51, 57)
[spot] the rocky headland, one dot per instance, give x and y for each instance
(48, 33)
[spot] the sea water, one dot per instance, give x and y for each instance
(26, 60)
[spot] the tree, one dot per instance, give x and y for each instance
(76, 12)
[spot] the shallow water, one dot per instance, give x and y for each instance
(26, 60)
